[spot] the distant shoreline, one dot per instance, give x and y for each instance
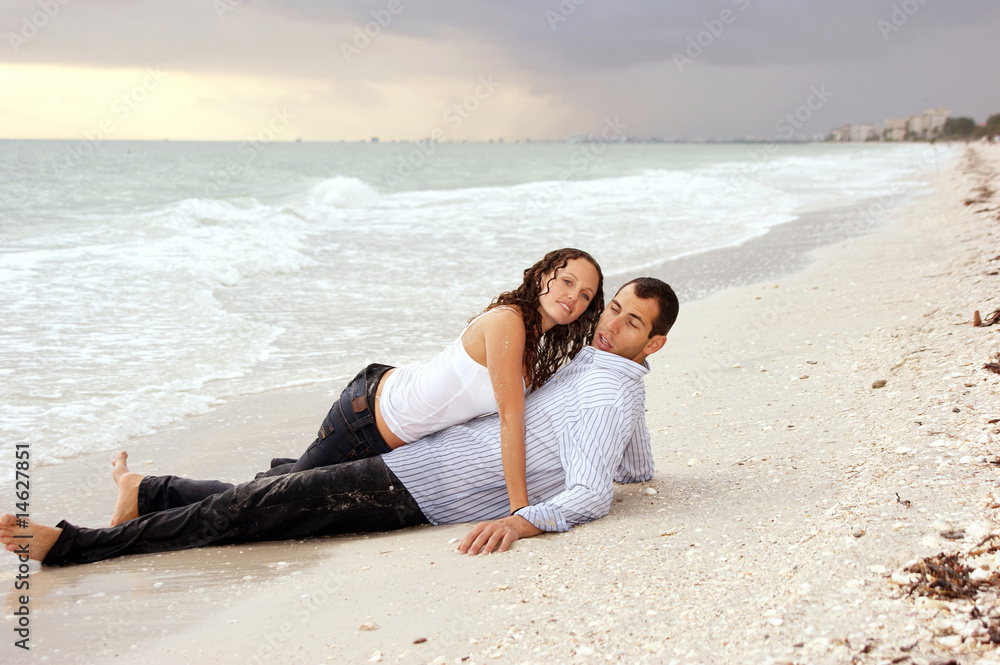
(650, 141)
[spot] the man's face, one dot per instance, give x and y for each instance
(625, 325)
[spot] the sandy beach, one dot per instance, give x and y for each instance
(789, 497)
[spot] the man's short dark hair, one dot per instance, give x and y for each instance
(656, 289)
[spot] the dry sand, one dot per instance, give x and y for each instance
(789, 496)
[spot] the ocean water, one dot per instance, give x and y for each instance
(145, 282)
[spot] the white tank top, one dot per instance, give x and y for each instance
(424, 398)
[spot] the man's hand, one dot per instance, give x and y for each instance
(497, 535)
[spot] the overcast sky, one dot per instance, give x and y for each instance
(482, 69)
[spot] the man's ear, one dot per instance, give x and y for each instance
(654, 344)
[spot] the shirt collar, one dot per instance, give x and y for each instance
(617, 363)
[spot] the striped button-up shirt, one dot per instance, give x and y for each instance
(584, 429)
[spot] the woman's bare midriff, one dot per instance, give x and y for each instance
(391, 439)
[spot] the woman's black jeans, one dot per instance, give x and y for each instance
(349, 431)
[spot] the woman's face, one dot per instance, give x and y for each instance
(569, 293)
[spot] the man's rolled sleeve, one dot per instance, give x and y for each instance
(545, 517)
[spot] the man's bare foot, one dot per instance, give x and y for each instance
(119, 466)
(32, 539)
(127, 507)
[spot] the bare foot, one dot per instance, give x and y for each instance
(119, 466)
(32, 539)
(127, 507)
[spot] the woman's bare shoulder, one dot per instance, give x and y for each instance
(504, 320)
(505, 312)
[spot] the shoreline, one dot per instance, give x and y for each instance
(780, 251)
(55, 417)
(773, 452)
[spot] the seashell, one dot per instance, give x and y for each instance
(902, 579)
(940, 525)
(943, 625)
(933, 603)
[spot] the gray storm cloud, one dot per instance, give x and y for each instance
(718, 68)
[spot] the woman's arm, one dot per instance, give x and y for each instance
(503, 337)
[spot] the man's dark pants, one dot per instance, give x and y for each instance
(353, 497)
(348, 433)
(356, 493)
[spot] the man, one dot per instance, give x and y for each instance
(585, 429)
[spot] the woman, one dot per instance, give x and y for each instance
(515, 345)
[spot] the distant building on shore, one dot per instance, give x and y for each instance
(894, 130)
(927, 125)
(855, 133)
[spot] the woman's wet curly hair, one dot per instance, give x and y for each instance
(546, 353)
